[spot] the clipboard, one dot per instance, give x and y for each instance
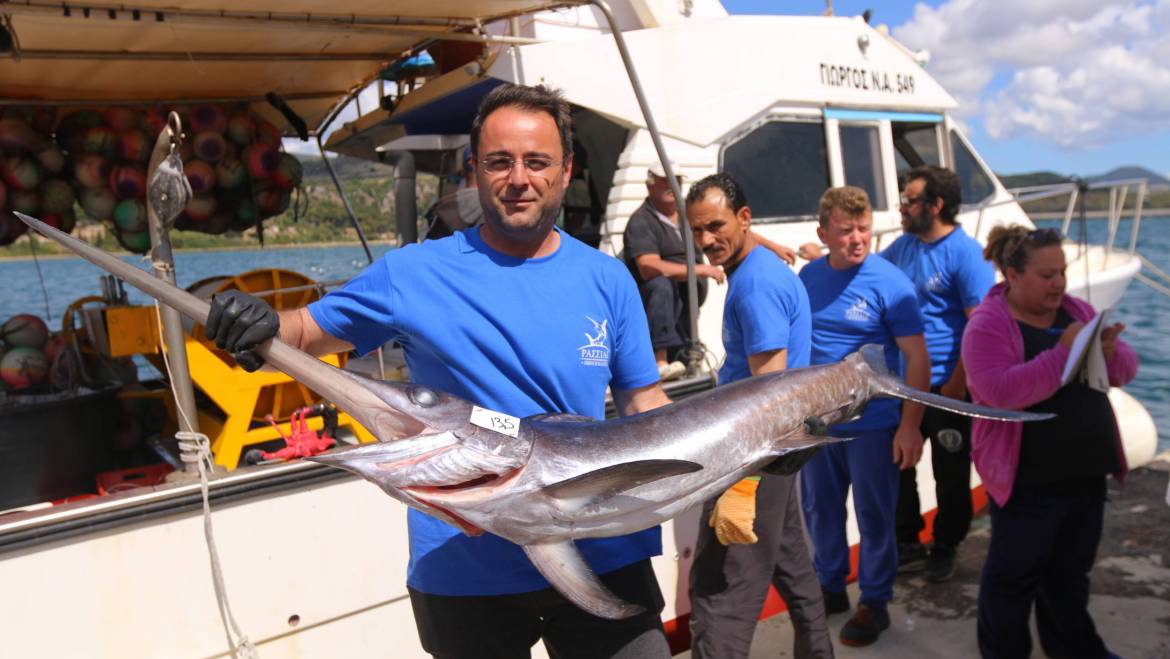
(1085, 358)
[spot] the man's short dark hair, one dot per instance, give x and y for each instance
(533, 99)
(731, 190)
(941, 183)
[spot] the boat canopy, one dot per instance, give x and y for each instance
(705, 77)
(314, 56)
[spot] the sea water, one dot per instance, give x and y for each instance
(60, 281)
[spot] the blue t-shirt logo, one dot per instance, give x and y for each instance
(596, 352)
(859, 311)
(936, 284)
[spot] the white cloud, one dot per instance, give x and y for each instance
(1079, 73)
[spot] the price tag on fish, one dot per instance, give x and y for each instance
(497, 421)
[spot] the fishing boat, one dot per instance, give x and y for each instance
(313, 561)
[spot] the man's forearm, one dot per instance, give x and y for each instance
(917, 376)
(636, 401)
(649, 269)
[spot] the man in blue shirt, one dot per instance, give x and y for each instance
(515, 316)
(857, 300)
(951, 278)
(766, 327)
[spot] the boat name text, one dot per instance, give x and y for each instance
(854, 78)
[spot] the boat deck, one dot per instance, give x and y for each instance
(1130, 599)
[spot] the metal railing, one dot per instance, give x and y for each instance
(1077, 190)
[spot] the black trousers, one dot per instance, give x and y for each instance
(952, 478)
(665, 304)
(729, 584)
(1042, 548)
(507, 626)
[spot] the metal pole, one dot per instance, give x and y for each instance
(348, 209)
(162, 263)
(405, 210)
(652, 128)
(345, 201)
(1137, 217)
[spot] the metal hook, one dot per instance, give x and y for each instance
(175, 128)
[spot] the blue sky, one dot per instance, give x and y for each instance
(1072, 86)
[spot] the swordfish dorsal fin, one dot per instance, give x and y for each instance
(608, 481)
(567, 571)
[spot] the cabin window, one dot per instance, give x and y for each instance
(977, 185)
(861, 156)
(915, 145)
(783, 167)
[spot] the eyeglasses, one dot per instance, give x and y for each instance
(909, 201)
(502, 165)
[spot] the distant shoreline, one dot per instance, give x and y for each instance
(1098, 215)
(226, 248)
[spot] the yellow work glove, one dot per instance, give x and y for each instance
(735, 513)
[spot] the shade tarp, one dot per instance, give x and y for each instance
(159, 50)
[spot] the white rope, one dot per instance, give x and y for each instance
(195, 448)
(1155, 269)
(1153, 284)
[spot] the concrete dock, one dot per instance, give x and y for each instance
(1130, 599)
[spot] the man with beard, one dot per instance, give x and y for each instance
(496, 314)
(951, 278)
(753, 536)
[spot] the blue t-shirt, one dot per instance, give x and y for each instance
(766, 309)
(521, 336)
(869, 303)
(950, 277)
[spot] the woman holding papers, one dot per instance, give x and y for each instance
(1046, 480)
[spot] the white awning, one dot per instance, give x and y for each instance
(222, 50)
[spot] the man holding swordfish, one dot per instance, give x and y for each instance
(521, 319)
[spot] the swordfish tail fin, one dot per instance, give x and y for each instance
(887, 384)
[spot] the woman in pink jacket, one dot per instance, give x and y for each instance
(1046, 479)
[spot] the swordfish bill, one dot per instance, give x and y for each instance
(556, 478)
(361, 403)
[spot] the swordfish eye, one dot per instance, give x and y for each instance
(423, 396)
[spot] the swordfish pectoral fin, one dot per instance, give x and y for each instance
(567, 571)
(795, 453)
(608, 481)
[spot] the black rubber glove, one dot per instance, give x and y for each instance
(239, 322)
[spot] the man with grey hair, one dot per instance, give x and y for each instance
(655, 253)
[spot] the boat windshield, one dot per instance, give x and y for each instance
(915, 144)
(783, 168)
(976, 181)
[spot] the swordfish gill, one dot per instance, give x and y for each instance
(548, 479)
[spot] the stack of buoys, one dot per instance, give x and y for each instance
(27, 352)
(231, 157)
(34, 177)
(236, 170)
(97, 157)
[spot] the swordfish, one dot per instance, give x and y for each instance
(546, 480)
